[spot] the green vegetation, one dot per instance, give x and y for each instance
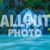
(42, 4)
(1, 32)
(22, 4)
(1, 2)
(31, 4)
(10, 4)
(48, 29)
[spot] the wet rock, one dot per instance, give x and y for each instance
(5, 30)
(11, 12)
(4, 8)
(39, 12)
(15, 9)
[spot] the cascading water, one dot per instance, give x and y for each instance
(30, 13)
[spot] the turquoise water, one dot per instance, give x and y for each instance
(25, 43)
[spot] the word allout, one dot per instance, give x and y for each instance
(30, 21)
(26, 22)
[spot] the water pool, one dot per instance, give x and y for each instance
(24, 43)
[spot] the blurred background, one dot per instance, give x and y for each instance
(14, 7)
